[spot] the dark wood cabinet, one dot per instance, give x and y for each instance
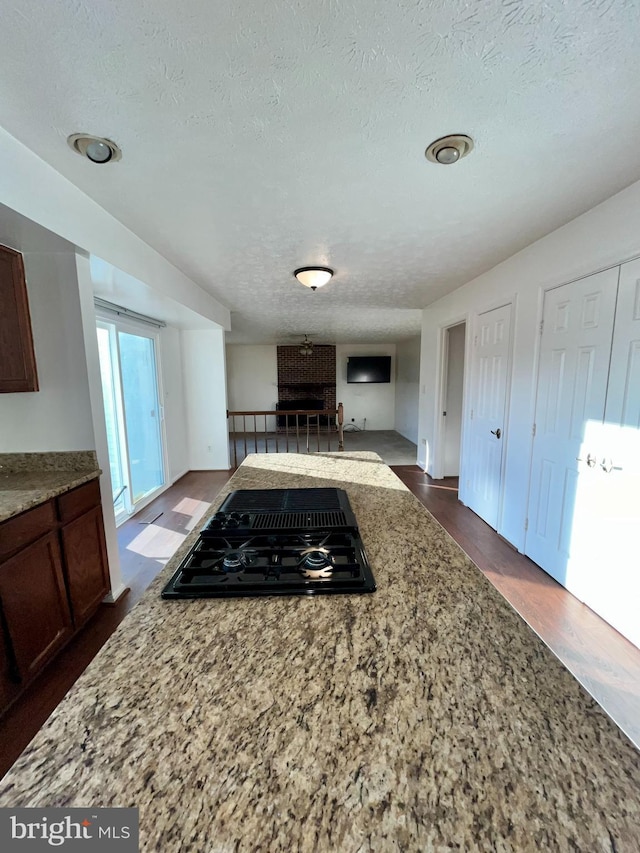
(84, 550)
(53, 576)
(85, 564)
(34, 604)
(23, 529)
(9, 679)
(17, 357)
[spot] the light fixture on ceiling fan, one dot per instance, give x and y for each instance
(306, 347)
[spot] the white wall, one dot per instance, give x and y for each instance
(36, 190)
(407, 388)
(602, 237)
(375, 402)
(252, 382)
(92, 360)
(58, 416)
(172, 378)
(205, 395)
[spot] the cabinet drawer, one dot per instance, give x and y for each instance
(23, 529)
(77, 501)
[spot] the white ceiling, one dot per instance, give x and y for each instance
(259, 137)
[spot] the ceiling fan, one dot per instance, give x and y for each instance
(306, 347)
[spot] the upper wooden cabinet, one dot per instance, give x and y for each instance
(17, 358)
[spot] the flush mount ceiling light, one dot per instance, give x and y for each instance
(94, 148)
(306, 347)
(313, 277)
(449, 149)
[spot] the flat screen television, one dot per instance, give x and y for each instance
(369, 368)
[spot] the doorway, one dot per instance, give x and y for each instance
(133, 414)
(453, 385)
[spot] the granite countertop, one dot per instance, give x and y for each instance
(425, 716)
(29, 479)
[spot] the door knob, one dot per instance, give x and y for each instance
(496, 432)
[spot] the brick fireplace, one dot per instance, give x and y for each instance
(307, 377)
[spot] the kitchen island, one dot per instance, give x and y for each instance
(424, 716)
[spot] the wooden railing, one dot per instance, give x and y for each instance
(291, 433)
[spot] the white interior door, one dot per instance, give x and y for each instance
(606, 573)
(482, 472)
(572, 387)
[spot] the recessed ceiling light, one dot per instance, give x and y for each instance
(449, 149)
(313, 277)
(94, 148)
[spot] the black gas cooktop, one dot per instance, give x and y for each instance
(276, 542)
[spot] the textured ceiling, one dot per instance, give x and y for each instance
(259, 137)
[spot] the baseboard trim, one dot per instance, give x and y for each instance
(114, 596)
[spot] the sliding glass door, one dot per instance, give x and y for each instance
(133, 413)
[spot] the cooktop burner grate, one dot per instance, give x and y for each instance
(277, 500)
(244, 551)
(296, 520)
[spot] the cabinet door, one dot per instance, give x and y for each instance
(86, 564)
(8, 675)
(34, 604)
(17, 359)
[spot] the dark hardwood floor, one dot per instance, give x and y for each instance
(600, 658)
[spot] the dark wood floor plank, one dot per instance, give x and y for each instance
(602, 660)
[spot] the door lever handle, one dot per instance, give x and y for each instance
(496, 432)
(608, 466)
(590, 460)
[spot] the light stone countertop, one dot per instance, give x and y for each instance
(426, 716)
(29, 479)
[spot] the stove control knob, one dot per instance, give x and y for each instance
(233, 520)
(245, 518)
